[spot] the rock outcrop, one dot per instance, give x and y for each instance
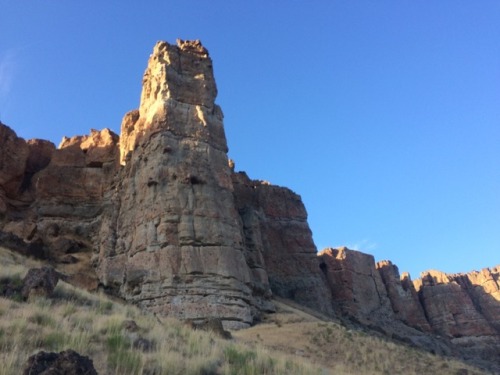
(461, 309)
(51, 199)
(449, 305)
(278, 242)
(157, 215)
(39, 282)
(356, 286)
(181, 251)
(403, 296)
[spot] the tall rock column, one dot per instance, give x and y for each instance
(172, 242)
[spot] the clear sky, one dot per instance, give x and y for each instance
(383, 115)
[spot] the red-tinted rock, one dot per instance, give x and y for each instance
(403, 296)
(449, 307)
(356, 286)
(278, 243)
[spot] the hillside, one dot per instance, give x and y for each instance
(288, 341)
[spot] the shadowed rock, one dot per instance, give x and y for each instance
(40, 282)
(68, 362)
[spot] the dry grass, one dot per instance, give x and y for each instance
(92, 325)
(344, 351)
(292, 341)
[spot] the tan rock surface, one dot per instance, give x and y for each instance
(278, 242)
(356, 286)
(162, 219)
(177, 247)
(455, 305)
(403, 296)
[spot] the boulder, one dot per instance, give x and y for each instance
(67, 362)
(39, 282)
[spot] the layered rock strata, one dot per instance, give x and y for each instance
(181, 252)
(170, 225)
(278, 242)
(462, 309)
(403, 296)
(356, 286)
(159, 217)
(51, 199)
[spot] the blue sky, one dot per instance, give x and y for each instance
(383, 115)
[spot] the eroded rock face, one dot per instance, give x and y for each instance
(158, 208)
(455, 305)
(484, 289)
(20, 160)
(356, 286)
(14, 153)
(278, 243)
(51, 199)
(403, 296)
(181, 252)
(159, 217)
(444, 313)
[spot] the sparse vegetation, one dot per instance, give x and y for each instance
(342, 350)
(92, 325)
(288, 342)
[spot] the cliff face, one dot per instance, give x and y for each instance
(279, 243)
(463, 309)
(157, 212)
(159, 217)
(181, 252)
(51, 199)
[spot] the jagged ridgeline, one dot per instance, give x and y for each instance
(159, 217)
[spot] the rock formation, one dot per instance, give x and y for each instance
(39, 282)
(463, 309)
(355, 284)
(159, 217)
(181, 252)
(278, 242)
(403, 296)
